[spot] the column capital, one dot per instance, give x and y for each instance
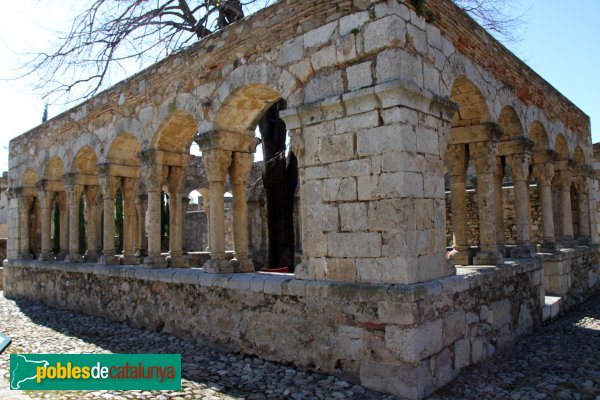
(241, 165)
(543, 173)
(483, 155)
(216, 164)
(232, 141)
(564, 179)
(458, 160)
(519, 165)
(73, 193)
(109, 185)
(153, 175)
(176, 179)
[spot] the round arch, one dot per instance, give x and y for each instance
(510, 123)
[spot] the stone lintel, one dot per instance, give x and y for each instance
(475, 133)
(163, 157)
(231, 141)
(563, 165)
(515, 146)
(82, 179)
(118, 170)
(544, 156)
(52, 185)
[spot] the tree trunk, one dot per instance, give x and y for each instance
(280, 177)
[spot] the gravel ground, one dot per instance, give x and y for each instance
(561, 361)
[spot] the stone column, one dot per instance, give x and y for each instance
(519, 167)
(543, 175)
(216, 163)
(142, 246)
(583, 205)
(63, 228)
(498, 178)
(564, 183)
(206, 204)
(74, 192)
(25, 203)
(153, 177)
(185, 202)
(175, 181)
(45, 198)
(129, 190)
(240, 171)
(483, 155)
(457, 164)
(92, 253)
(109, 186)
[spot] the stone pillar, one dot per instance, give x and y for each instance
(46, 198)
(25, 203)
(543, 175)
(63, 229)
(109, 186)
(74, 192)
(175, 181)
(457, 164)
(216, 163)
(240, 170)
(583, 205)
(519, 167)
(142, 244)
(564, 183)
(129, 190)
(92, 253)
(153, 177)
(483, 155)
(185, 202)
(206, 204)
(498, 178)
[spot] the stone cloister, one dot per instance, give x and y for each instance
(382, 107)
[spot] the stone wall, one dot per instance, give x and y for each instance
(509, 216)
(402, 339)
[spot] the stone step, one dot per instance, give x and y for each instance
(551, 309)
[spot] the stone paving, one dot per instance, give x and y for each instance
(561, 361)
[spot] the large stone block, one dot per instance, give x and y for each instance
(354, 244)
(385, 32)
(411, 345)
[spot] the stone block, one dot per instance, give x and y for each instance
(412, 345)
(500, 313)
(390, 214)
(345, 47)
(319, 36)
(354, 244)
(411, 382)
(353, 22)
(525, 320)
(558, 285)
(339, 269)
(385, 32)
(401, 184)
(418, 37)
(462, 354)
(353, 217)
(454, 326)
(357, 122)
(322, 86)
(477, 351)
(393, 64)
(368, 187)
(349, 168)
(336, 148)
(400, 114)
(397, 313)
(388, 270)
(322, 217)
(291, 51)
(443, 368)
(428, 141)
(339, 189)
(326, 57)
(386, 139)
(359, 75)
(350, 342)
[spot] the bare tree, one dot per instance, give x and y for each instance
(495, 17)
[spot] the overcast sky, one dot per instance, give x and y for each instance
(560, 43)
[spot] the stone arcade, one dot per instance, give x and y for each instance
(381, 106)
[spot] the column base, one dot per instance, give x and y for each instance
(459, 257)
(141, 253)
(548, 246)
(218, 266)
(25, 256)
(91, 256)
(502, 250)
(74, 258)
(242, 265)
(155, 262)
(131, 260)
(62, 255)
(177, 261)
(487, 258)
(522, 251)
(46, 256)
(567, 243)
(583, 240)
(109, 260)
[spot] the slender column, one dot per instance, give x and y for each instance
(142, 246)
(153, 176)
(484, 160)
(457, 163)
(519, 167)
(175, 182)
(216, 163)
(206, 204)
(109, 185)
(45, 198)
(129, 190)
(74, 192)
(93, 251)
(498, 178)
(63, 229)
(185, 202)
(564, 183)
(240, 170)
(25, 203)
(543, 175)
(584, 214)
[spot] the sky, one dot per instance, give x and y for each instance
(560, 41)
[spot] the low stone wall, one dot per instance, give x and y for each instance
(407, 340)
(571, 274)
(1, 277)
